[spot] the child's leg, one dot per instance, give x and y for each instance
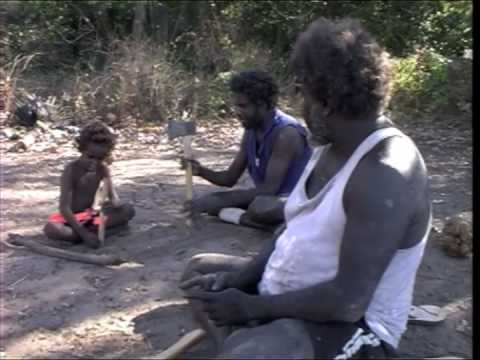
(119, 215)
(60, 231)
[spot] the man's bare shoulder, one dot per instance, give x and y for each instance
(397, 154)
(287, 135)
(392, 169)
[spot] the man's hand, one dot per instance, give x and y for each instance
(228, 307)
(196, 167)
(209, 282)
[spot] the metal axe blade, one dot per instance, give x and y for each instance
(177, 128)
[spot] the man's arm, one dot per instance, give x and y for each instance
(378, 208)
(227, 177)
(288, 144)
(243, 279)
(66, 184)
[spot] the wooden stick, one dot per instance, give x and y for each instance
(103, 260)
(188, 340)
(187, 153)
(101, 227)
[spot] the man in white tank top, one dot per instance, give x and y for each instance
(337, 280)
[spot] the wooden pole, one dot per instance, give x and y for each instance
(187, 153)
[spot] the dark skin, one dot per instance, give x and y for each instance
(78, 185)
(288, 144)
(387, 206)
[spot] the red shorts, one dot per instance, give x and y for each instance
(87, 216)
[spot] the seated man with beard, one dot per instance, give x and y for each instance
(274, 150)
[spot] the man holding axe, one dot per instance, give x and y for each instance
(274, 150)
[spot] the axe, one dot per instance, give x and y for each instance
(184, 129)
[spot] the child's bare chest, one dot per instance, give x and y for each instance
(87, 183)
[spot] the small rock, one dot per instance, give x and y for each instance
(23, 144)
(10, 134)
(43, 126)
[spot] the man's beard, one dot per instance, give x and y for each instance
(251, 124)
(316, 140)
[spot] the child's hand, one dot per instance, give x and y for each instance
(115, 202)
(110, 204)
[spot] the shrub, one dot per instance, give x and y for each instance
(427, 82)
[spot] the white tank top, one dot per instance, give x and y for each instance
(307, 252)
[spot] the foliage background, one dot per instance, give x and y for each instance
(148, 60)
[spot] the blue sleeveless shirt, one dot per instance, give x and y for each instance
(257, 158)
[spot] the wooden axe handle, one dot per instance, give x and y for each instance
(186, 341)
(101, 227)
(187, 153)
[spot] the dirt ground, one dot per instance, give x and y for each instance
(54, 308)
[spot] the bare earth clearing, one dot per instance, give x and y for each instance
(53, 308)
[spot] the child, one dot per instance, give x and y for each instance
(77, 221)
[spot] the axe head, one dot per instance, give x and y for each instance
(178, 128)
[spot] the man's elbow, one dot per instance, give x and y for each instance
(229, 183)
(229, 180)
(351, 312)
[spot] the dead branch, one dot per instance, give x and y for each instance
(102, 260)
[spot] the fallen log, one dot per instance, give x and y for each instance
(102, 260)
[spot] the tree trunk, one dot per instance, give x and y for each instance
(140, 15)
(5, 96)
(159, 23)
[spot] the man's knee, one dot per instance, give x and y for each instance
(285, 338)
(265, 208)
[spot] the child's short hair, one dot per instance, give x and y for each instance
(96, 132)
